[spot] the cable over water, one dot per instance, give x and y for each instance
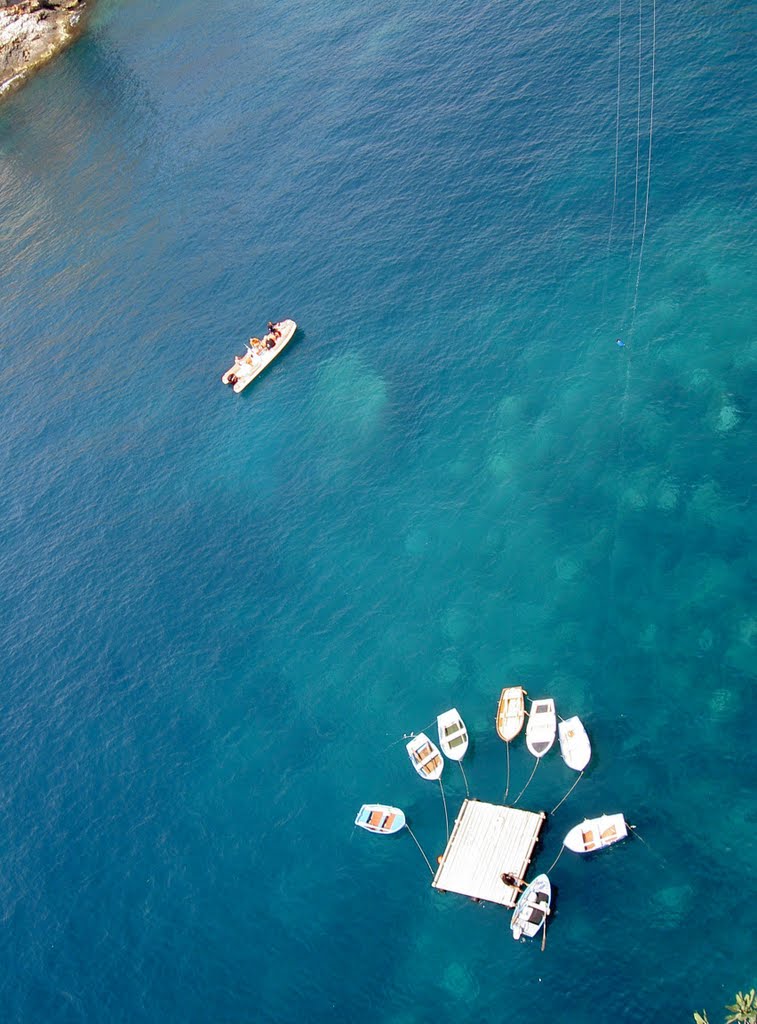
(638, 146)
(507, 787)
(444, 801)
(649, 161)
(617, 141)
(428, 862)
(533, 772)
(581, 775)
(467, 791)
(551, 866)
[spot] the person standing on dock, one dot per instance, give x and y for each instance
(516, 883)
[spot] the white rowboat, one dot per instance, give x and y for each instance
(453, 736)
(542, 726)
(574, 743)
(511, 712)
(425, 757)
(532, 908)
(247, 367)
(596, 833)
(380, 818)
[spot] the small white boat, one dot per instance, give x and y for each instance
(453, 736)
(425, 757)
(542, 726)
(532, 908)
(511, 712)
(596, 833)
(574, 743)
(260, 352)
(380, 818)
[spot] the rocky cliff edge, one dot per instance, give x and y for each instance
(32, 32)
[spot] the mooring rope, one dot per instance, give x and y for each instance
(649, 162)
(638, 146)
(536, 765)
(467, 791)
(617, 140)
(428, 862)
(444, 801)
(551, 866)
(507, 787)
(650, 848)
(567, 794)
(409, 735)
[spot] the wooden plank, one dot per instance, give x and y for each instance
(487, 840)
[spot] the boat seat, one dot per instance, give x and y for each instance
(609, 833)
(375, 818)
(388, 821)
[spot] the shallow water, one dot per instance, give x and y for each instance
(221, 613)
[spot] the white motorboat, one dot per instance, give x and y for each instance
(596, 833)
(380, 818)
(532, 908)
(542, 726)
(425, 757)
(511, 712)
(453, 736)
(260, 352)
(574, 743)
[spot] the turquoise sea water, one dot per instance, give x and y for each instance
(221, 613)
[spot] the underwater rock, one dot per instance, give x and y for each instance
(460, 983)
(727, 418)
(32, 33)
(567, 569)
(667, 495)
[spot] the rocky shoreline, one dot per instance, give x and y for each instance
(32, 32)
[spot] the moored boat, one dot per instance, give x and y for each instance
(532, 908)
(380, 818)
(542, 726)
(511, 712)
(596, 833)
(260, 352)
(425, 757)
(574, 743)
(453, 736)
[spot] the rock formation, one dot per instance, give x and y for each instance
(32, 32)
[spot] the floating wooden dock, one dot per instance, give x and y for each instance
(487, 841)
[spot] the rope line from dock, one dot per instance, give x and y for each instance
(428, 862)
(567, 794)
(465, 780)
(533, 772)
(444, 801)
(551, 866)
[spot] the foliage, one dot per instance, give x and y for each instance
(743, 1011)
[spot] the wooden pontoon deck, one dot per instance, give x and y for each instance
(487, 840)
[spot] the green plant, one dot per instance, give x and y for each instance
(743, 1011)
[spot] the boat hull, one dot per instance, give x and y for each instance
(425, 757)
(246, 369)
(596, 833)
(453, 736)
(511, 712)
(542, 727)
(574, 743)
(381, 819)
(532, 909)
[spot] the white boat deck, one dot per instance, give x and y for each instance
(487, 840)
